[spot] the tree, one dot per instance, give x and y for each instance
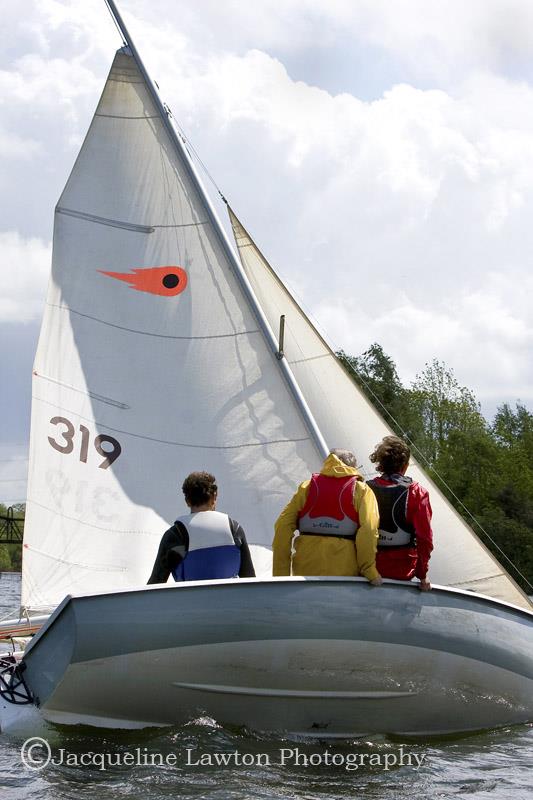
(11, 554)
(513, 430)
(5, 559)
(15, 554)
(480, 467)
(376, 374)
(445, 410)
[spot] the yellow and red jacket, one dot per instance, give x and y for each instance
(329, 554)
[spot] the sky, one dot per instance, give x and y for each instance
(379, 153)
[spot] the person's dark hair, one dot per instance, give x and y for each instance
(199, 488)
(391, 455)
(346, 456)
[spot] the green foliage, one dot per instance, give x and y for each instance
(375, 372)
(446, 411)
(487, 469)
(11, 554)
(5, 559)
(15, 555)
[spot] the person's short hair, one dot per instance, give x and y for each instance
(346, 456)
(391, 455)
(199, 488)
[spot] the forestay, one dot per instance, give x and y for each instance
(347, 419)
(150, 364)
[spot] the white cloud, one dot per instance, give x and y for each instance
(38, 82)
(426, 41)
(14, 146)
(416, 204)
(25, 265)
(439, 39)
(482, 337)
(404, 220)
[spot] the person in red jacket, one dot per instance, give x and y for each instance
(405, 538)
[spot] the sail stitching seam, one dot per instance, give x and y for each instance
(88, 393)
(148, 333)
(309, 358)
(480, 580)
(120, 116)
(173, 443)
(125, 79)
(184, 224)
(92, 567)
(82, 522)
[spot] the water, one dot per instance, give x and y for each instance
(495, 765)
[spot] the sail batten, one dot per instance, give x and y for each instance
(114, 223)
(129, 226)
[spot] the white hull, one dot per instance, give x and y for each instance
(326, 657)
(457, 696)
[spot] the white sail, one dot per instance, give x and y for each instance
(150, 364)
(347, 419)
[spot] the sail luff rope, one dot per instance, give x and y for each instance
(190, 147)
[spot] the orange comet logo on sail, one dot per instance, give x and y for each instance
(166, 281)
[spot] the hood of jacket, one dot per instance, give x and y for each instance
(333, 467)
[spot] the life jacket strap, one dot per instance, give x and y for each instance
(350, 536)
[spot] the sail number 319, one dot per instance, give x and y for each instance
(68, 442)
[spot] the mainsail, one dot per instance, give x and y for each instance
(150, 364)
(347, 419)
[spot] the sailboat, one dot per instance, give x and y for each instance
(159, 355)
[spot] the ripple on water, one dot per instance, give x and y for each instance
(495, 765)
(492, 765)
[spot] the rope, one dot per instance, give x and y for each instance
(191, 150)
(124, 42)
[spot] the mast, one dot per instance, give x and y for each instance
(227, 248)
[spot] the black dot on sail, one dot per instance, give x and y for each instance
(170, 281)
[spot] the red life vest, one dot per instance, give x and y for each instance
(329, 509)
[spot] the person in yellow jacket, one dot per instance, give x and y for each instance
(337, 518)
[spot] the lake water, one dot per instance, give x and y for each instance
(86, 763)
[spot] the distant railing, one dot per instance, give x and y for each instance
(11, 527)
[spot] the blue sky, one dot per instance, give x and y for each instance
(386, 146)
